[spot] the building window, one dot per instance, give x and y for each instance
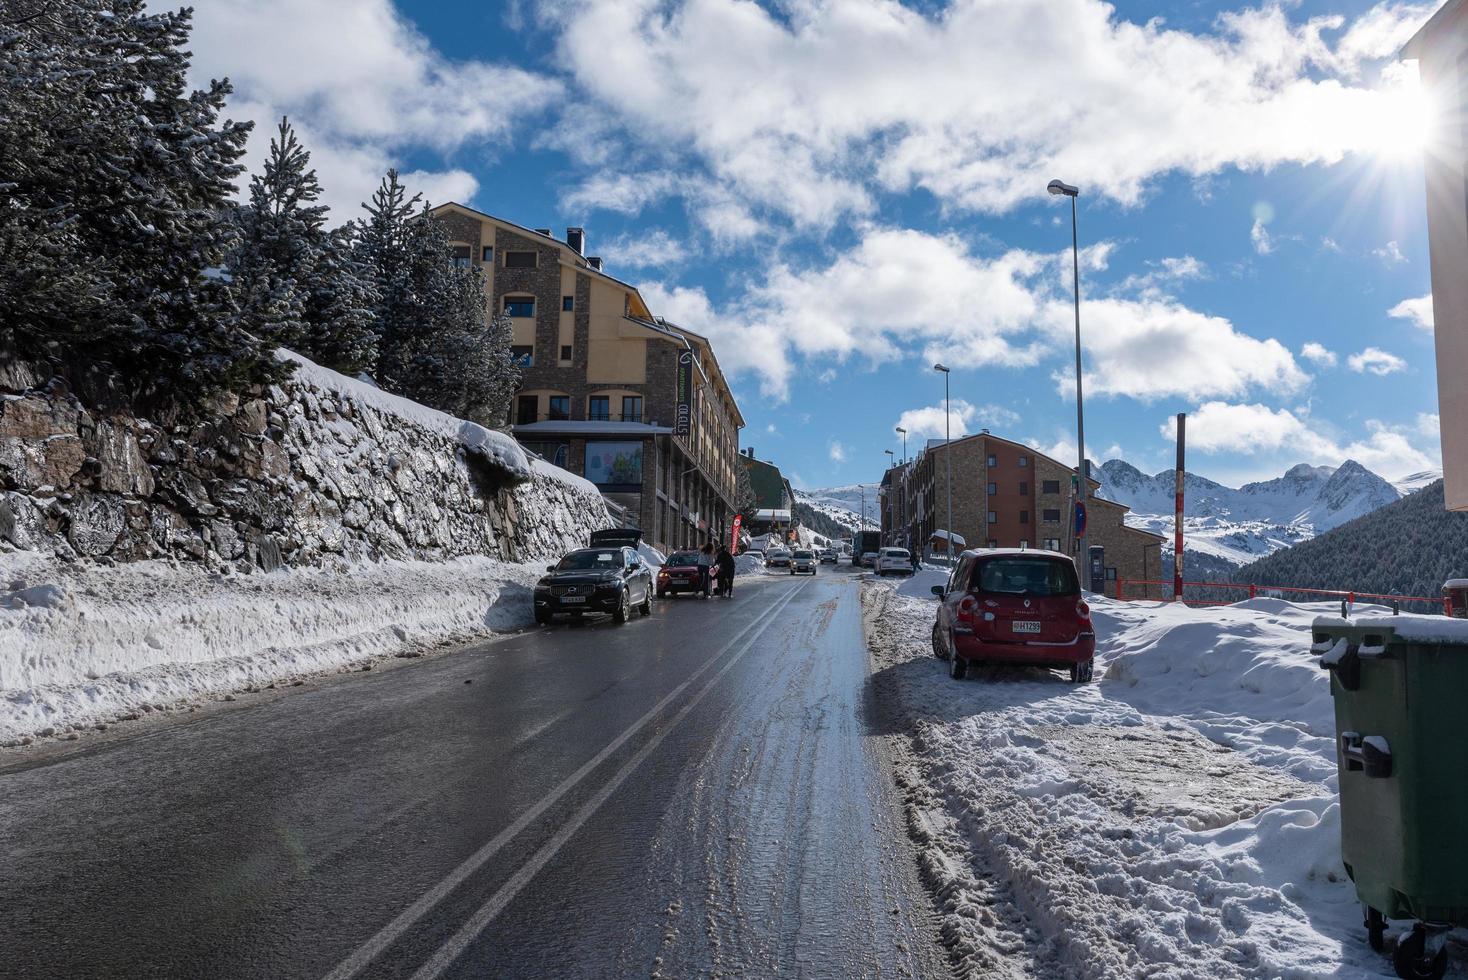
(993, 489)
(1050, 486)
(565, 352)
(599, 408)
(560, 407)
(520, 305)
(486, 255)
(993, 460)
(1024, 489)
(555, 452)
(993, 517)
(1024, 461)
(568, 304)
(462, 255)
(1024, 517)
(523, 355)
(520, 260)
(631, 408)
(526, 409)
(1051, 515)
(1052, 544)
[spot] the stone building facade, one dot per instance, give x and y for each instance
(598, 394)
(1007, 495)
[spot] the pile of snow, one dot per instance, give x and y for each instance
(652, 556)
(84, 644)
(1177, 818)
(495, 448)
(919, 585)
(748, 562)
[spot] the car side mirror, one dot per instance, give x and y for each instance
(937, 590)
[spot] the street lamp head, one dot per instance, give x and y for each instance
(1061, 187)
(902, 430)
(939, 367)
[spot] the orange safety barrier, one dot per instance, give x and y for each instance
(1349, 595)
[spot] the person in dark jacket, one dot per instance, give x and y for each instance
(725, 564)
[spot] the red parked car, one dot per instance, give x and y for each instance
(1014, 606)
(680, 573)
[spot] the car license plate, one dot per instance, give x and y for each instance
(573, 598)
(1026, 626)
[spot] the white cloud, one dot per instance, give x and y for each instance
(1390, 253)
(1377, 361)
(654, 249)
(1328, 244)
(363, 88)
(1318, 354)
(899, 292)
(1417, 310)
(797, 110)
(1162, 273)
(1259, 235)
(837, 452)
(924, 423)
(772, 430)
(1221, 427)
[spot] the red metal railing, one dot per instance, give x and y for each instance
(1351, 596)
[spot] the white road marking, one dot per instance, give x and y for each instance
(486, 913)
(388, 934)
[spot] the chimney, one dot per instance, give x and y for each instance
(984, 432)
(594, 261)
(576, 238)
(543, 231)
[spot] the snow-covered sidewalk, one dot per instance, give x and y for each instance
(83, 645)
(1176, 818)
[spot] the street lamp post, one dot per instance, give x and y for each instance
(903, 432)
(947, 459)
(1083, 558)
(891, 464)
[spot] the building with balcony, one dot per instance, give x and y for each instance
(635, 404)
(1007, 495)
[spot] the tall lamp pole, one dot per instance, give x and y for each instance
(887, 506)
(903, 432)
(948, 460)
(1083, 558)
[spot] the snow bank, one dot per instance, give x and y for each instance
(920, 584)
(1178, 818)
(82, 644)
(495, 448)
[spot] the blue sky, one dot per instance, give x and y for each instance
(842, 193)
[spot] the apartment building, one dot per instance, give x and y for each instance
(635, 404)
(1440, 49)
(774, 500)
(1007, 495)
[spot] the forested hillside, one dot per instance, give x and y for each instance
(1412, 546)
(809, 517)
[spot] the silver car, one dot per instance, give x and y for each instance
(777, 558)
(803, 561)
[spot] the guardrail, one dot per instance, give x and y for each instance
(1274, 591)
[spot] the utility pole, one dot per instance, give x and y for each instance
(1084, 490)
(947, 461)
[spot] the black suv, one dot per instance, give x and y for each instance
(608, 577)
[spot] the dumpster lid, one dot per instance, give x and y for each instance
(1456, 583)
(1406, 627)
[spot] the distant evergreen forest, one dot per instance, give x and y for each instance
(1411, 546)
(820, 523)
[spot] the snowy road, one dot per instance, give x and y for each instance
(698, 793)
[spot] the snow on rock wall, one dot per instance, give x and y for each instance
(319, 470)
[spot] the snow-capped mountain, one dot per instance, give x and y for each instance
(1416, 481)
(844, 504)
(1239, 525)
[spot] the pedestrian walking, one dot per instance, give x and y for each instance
(916, 561)
(705, 568)
(725, 565)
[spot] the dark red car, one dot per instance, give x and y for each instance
(1014, 606)
(679, 574)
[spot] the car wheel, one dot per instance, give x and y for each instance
(542, 618)
(1081, 673)
(623, 612)
(938, 649)
(646, 607)
(957, 667)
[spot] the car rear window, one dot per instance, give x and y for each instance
(804, 554)
(1026, 576)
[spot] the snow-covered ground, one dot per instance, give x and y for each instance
(82, 645)
(1176, 818)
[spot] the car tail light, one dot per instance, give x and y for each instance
(967, 606)
(1083, 610)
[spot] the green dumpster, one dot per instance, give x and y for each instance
(1399, 686)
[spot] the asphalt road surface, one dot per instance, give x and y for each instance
(697, 793)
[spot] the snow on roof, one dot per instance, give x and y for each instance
(495, 448)
(945, 536)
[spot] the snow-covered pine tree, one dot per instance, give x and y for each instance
(382, 249)
(113, 216)
(341, 306)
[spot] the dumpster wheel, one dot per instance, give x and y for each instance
(1411, 960)
(1376, 930)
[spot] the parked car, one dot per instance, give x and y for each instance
(1014, 606)
(828, 557)
(803, 561)
(608, 577)
(777, 558)
(679, 574)
(894, 561)
(868, 559)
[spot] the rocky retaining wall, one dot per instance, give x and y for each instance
(303, 474)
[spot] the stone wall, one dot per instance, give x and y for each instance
(301, 474)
